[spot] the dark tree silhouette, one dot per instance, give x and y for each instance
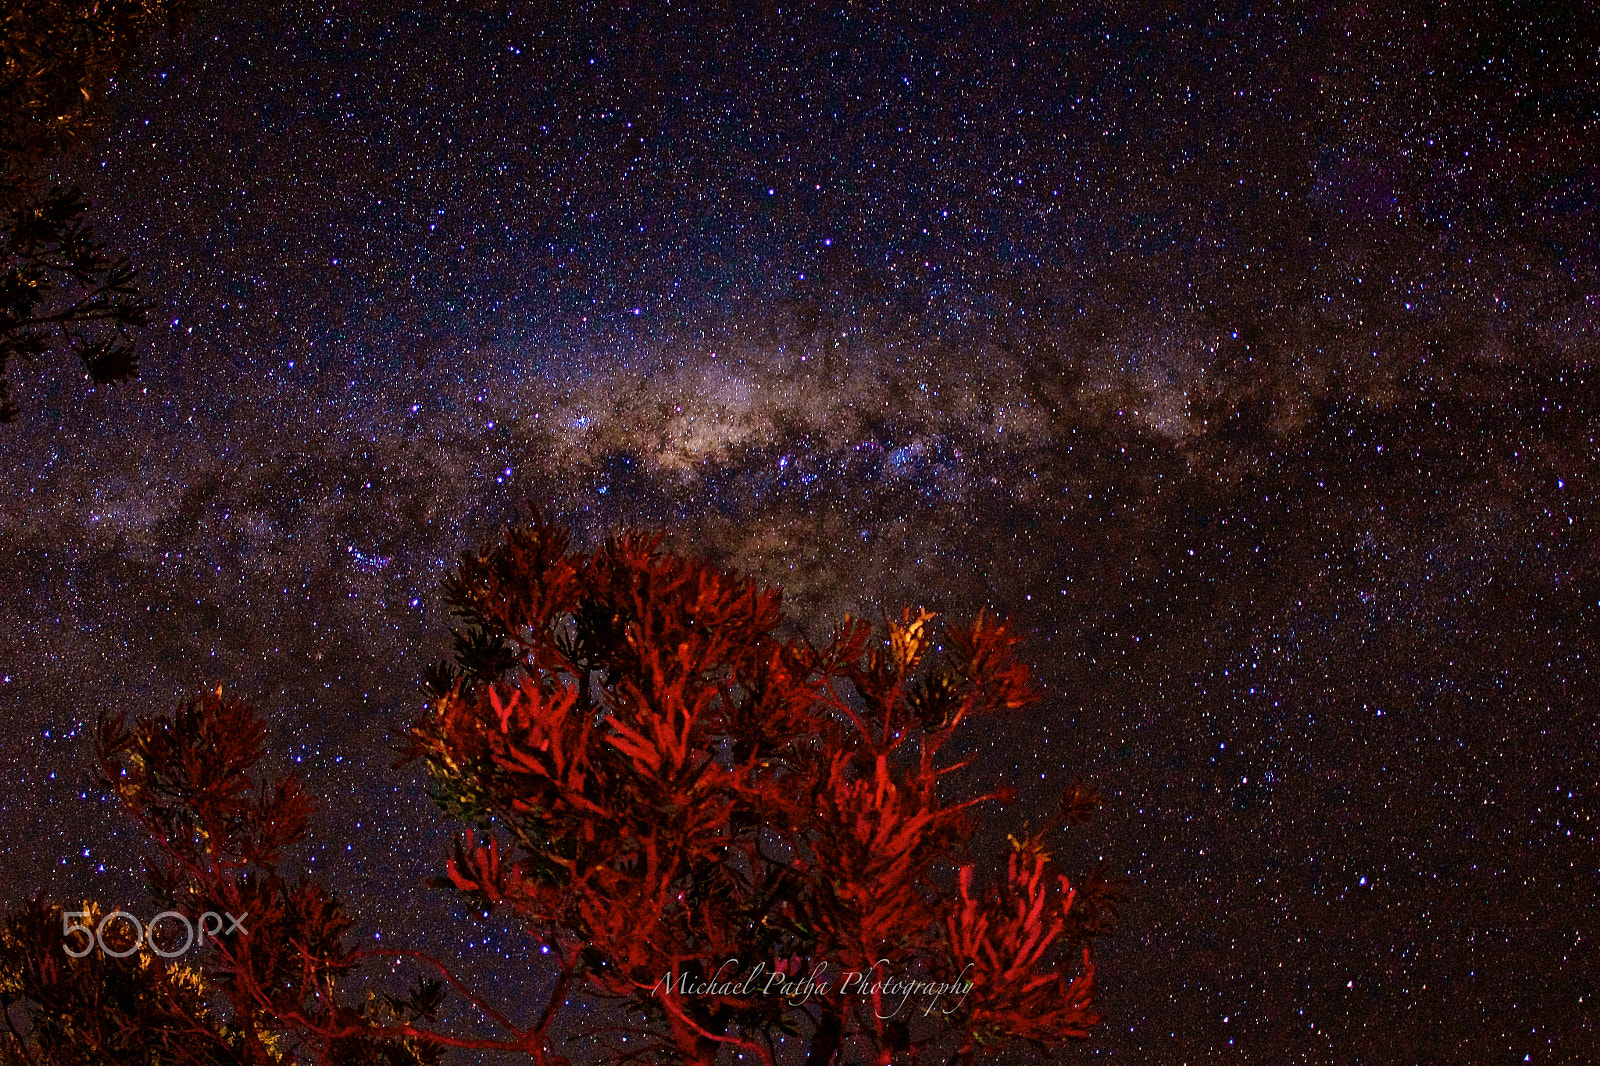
(734, 836)
(59, 287)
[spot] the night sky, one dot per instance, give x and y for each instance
(1243, 355)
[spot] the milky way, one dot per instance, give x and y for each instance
(1246, 361)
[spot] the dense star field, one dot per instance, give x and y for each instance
(1244, 358)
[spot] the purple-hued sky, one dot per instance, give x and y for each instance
(1244, 355)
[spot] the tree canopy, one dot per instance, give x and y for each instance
(737, 838)
(59, 286)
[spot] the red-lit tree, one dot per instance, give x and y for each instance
(79, 990)
(734, 835)
(664, 783)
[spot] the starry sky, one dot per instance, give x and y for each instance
(1244, 355)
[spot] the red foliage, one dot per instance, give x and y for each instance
(267, 989)
(708, 819)
(685, 791)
